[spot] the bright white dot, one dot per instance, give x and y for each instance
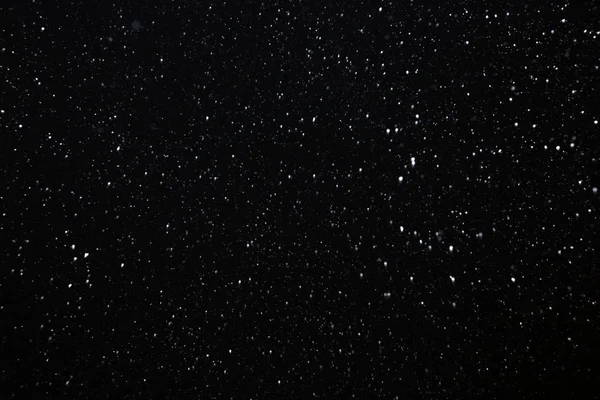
(43, 29)
(412, 161)
(70, 284)
(516, 124)
(453, 279)
(595, 190)
(513, 279)
(557, 147)
(380, 8)
(401, 229)
(400, 179)
(118, 148)
(412, 279)
(72, 247)
(451, 248)
(314, 119)
(86, 255)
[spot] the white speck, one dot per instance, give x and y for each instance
(401, 229)
(400, 179)
(513, 279)
(86, 255)
(43, 29)
(118, 148)
(595, 190)
(411, 279)
(380, 8)
(513, 88)
(385, 263)
(387, 295)
(387, 130)
(122, 265)
(595, 122)
(72, 247)
(557, 147)
(453, 279)
(417, 116)
(412, 161)
(314, 119)
(70, 284)
(467, 42)
(451, 248)
(516, 124)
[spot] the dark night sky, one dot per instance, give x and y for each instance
(299, 199)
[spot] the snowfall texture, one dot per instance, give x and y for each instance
(299, 199)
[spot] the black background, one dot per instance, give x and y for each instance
(228, 169)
